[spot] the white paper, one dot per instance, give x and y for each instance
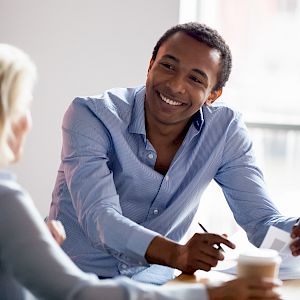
(276, 239)
(280, 240)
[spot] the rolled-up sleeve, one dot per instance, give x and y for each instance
(87, 148)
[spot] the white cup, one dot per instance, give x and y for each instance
(259, 263)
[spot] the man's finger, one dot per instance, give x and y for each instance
(218, 239)
(295, 247)
(296, 230)
(212, 251)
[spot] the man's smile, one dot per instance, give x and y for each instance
(170, 101)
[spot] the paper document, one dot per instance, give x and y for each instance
(276, 239)
(280, 240)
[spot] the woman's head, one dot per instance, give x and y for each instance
(17, 76)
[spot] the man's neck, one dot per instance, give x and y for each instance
(166, 134)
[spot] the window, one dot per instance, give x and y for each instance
(265, 42)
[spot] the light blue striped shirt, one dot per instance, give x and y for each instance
(113, 203)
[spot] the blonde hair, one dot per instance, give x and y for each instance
(17, 76)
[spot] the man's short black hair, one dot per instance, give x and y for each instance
(208, 36)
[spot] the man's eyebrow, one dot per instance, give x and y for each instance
(171, 57)
(198, 71)
(201, 73)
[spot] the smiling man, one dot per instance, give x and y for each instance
(178, 84)
(135, 162)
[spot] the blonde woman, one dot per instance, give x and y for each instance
(32, 265)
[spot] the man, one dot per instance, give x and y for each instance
(135, 162)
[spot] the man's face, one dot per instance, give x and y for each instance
(180, 80)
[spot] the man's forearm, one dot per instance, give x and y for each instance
(198, 253)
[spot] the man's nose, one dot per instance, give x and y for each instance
(177, 84)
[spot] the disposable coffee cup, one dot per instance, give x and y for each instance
(259, 263)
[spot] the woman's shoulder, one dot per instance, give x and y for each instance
(11, 191)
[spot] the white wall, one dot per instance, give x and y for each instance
(80, 48)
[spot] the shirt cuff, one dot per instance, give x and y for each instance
(139, 242)
(288, 224)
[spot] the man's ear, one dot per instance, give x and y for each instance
(213, 96)
(150, 65)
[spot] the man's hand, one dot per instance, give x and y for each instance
(57, 230)
(199, 253)
(295, 234)
(245, 289)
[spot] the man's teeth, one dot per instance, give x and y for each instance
(169, 101)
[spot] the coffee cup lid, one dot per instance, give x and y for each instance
(260, 256)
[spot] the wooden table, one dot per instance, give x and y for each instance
(290, 289)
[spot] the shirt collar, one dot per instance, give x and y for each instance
(198, 119)
(137, 123)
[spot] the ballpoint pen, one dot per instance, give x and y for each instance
(204, 229)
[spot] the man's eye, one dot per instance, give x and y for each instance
(195, 79)
(167, 66)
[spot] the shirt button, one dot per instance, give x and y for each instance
(167, 178)
(123, 266)
(155, 211)
(150, 156)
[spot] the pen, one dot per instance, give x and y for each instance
(204, 229)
